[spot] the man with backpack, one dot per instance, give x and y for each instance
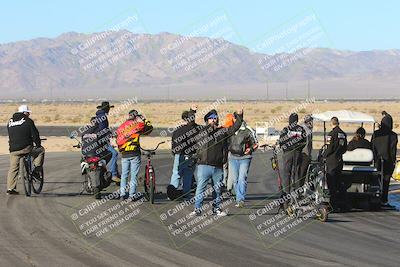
(241, 145)
(128, 135)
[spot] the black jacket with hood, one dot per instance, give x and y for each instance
(211, 141)
(184, 137)
(292, 137)
(384, 145)
(337, 146)
(22, 132)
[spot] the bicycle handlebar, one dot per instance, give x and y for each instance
(152, 150)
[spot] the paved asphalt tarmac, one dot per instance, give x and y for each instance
(60, 227)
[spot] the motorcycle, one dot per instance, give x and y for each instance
(94, 172)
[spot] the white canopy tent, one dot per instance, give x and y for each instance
(344, 116)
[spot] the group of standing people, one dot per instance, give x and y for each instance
(202, 150)
(210, 152)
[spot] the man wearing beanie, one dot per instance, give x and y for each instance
(183, 149)
(292, 140)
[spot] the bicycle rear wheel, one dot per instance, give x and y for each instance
(149, 184)
(26, 178)
(37, 182)
(152, 180)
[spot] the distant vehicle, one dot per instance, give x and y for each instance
(267, 134)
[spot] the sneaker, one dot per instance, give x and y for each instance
(387, 205)
(96, 193)
(12, 192)
(136, 197)
(240, 204)
(219, 212)
(196, 212)
(116, 179)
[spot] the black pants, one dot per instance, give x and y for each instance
(336, 191)
(291, 171)
(305, 162)
(385, 188)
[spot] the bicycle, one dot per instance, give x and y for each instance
(30, 180)
(150, 176)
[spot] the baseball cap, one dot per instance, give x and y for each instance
(212, 116)
(24, 108)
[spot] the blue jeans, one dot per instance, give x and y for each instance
(238, 170)
(113, 162)
(204, 173)
(182, 172)
(186, 171)
(175, 172)
(131, 164)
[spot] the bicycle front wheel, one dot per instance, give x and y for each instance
(26, 178)
(37, 182)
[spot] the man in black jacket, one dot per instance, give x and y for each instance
(105, 134)
(22, 134)
(183, 149)
(384, 146)
(337, 146)
(91, 147)
(210, 144)
(292, 140)
(241, 146)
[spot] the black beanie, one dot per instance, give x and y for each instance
(293, 118)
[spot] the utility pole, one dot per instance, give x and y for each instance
(308, 89)
(286, 90)
(267, 91)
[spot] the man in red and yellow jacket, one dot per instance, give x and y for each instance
(128, 141)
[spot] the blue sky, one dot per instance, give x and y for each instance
(353, 25)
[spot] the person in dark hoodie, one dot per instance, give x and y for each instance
(292, 140)
(359, 140)
(183, 149)
(105, 134)
(23, 135)
(210, 143)
(384, 146)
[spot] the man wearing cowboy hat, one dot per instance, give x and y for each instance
(105, 135)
